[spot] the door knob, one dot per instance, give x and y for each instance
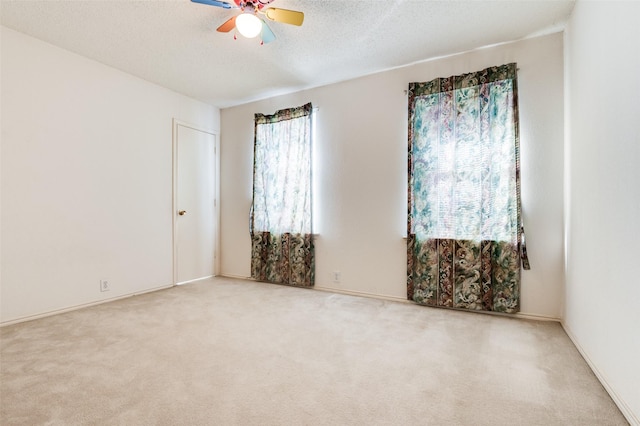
(182, 212)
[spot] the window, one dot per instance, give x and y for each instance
(464, 191)
(281, 227)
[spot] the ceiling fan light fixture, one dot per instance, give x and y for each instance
(248, 24)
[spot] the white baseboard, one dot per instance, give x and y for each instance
(535, 317)
(361, 293)
(76, 307)
(404, 300)
(318, 287)
(196, 280)
(624, 408)
(238, 277)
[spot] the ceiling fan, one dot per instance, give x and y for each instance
(248, 23)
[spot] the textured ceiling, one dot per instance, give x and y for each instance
(173, 43)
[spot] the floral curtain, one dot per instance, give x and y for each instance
(282, 248)
(464, 215)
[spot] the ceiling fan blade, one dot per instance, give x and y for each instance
(284, 15)
(227, 26)
(267, 35)
(215, 3)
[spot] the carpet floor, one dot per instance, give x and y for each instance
(233, 352)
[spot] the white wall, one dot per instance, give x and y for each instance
(86, 178)
(602, 312)
(361, 172)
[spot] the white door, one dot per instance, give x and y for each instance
(194, 203)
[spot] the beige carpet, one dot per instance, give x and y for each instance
(231, 352)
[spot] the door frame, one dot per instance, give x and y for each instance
(174, 191)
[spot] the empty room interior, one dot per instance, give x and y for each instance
(122, 303)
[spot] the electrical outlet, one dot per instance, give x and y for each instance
(104, 285)
(336, 276)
